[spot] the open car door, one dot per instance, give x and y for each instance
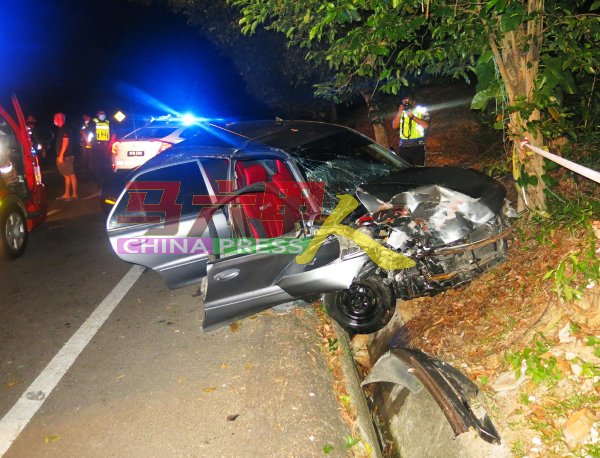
(245, 284)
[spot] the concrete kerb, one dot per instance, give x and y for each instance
(416, 422)
(364, 423)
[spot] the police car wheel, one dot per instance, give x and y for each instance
(365, 308)
(13, 233)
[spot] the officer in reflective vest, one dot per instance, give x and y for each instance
(412, 120)
(101, 141)
(87, 134)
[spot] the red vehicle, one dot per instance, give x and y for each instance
(23, 203)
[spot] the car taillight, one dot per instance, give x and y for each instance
(114, 148)
(163, 146)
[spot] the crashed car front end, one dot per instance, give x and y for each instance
(453, 232)
(451, 237)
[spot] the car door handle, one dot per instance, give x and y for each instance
(227, 275)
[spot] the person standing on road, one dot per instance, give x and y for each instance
(65, 158)
(31, 129)
(86, 145)
(412, 120)
(101, 142)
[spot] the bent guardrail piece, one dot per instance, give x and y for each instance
(459, 398)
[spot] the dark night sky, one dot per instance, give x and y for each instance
(79, 56)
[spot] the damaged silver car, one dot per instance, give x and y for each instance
(260, 180)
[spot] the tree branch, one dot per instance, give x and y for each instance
(502, 68)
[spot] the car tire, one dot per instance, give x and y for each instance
(364, 308)
(13, 233)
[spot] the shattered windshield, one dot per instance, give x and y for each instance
(343, 161)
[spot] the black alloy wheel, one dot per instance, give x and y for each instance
(364, 308)
(13, 233)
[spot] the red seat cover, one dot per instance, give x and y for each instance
(262, 209)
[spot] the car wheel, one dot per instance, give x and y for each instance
(364, 308)
(13, 233)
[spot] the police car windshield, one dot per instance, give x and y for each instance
(151, 132)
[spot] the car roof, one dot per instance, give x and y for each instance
(282, 134)
(247, 138)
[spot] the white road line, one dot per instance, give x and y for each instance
(17, 418)
(92, 196)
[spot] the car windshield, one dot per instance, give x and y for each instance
(343, 161)
(151, 132)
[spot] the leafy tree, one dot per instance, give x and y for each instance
(526, 53)
(274, 73)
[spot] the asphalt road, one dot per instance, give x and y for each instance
(148, 383)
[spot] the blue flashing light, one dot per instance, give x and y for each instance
(188, 119)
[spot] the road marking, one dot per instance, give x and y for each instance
(17, 418)
(92, 196)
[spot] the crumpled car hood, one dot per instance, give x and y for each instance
(441, 213)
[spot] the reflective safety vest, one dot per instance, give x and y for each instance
(410, 130)
(102, 130)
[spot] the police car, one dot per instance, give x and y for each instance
(146, 142)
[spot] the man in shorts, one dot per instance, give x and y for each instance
(65, 158)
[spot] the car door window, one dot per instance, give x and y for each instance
(160, 195)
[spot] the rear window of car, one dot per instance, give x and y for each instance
(151, 132)
(189, 180)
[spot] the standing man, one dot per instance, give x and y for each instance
(413, 121)
(101, 142)
(65, 158)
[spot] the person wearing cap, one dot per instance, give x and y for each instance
(413, 121)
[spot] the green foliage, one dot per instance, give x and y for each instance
(345, 400)
(524, 399)
(551, 48)
(350, 442)
(498, 169)
(518, 448)
(525, 179)
(332, 345)
(542, 369)
(581, 267)
(328, 448)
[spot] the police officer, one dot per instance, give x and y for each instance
(87, 135)
(31, 129)
(412, 120)
(101, 141)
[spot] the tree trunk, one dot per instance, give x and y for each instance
(378, 124)
(519, 70)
